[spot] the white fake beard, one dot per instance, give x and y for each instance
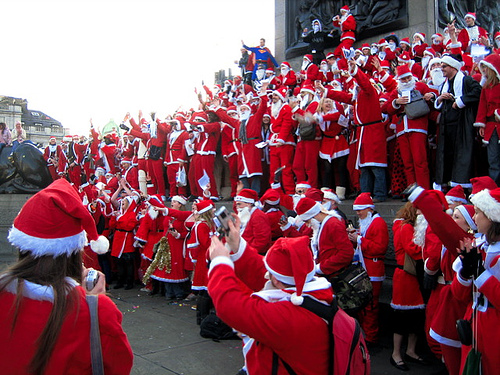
(419, 232)
(425, 61)
(437, 77)
(244, 215)
(497, 42)
(244, 115)
(305, 64)
(436, 42)
(260, 74)
(275, 108)
(284, 71)
(327, 205)
(304, 101)
(152, 213)
(483, 80)
(314, 225)
(324, 67)
(392, 46)
(365, 223)
(316, 28)
(407, 86)
(374, 50)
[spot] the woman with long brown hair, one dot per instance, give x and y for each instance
(44, 315)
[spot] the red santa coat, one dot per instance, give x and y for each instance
(298, 336)
(489, 104)
(177, 273)
(124, 225)
(150, 232)
(347, 27)
(405, 289)
(107, 153)
(52, 155)
(258, 231)
(311, 74)
(131, 175)
(334, 250)
(487, 315)
(71, 354)
(333, 143)
(372, 144)
(464, 35)
(289, 80)
(373, 244)
(282, 127)
(197, 244)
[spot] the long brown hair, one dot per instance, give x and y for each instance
(47, 271)
(408, 213)
(491, 76)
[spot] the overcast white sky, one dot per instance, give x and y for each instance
(76, 60)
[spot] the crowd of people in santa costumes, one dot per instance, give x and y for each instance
(387, 116)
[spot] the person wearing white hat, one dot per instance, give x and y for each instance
(44, 314)
(472, 34)
(458, 102)
(51, 154)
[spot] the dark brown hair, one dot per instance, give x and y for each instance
(49, 271)
(493, 233)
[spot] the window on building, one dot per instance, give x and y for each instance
(38, 127)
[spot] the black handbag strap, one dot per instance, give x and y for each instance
(95, 337)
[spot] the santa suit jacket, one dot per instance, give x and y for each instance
(289, 80)
(489, 105)
(176, 149)
(347, 27)
(334, 250)
(150, 231)
(197, 243)
(464, 38)
(258, 231)
(372, 143)
(71, 353)
(298, 336)
(373, 244)
(333, 143)
(54, 155)
(209, 134)
(124, 225)
(282, 127)
(406, 125)
(405, 289)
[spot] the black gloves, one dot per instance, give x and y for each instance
(472, 263)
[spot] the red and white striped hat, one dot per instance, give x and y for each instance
(363, 201)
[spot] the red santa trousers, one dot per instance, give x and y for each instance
(75, 175)
(282, 156)
(205, 163)
(368, 317)
(155, 168)
(413, 148)
(233, 173)
(305, 162)
(172, 170)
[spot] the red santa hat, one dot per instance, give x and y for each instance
(307, 208)
(68, 138)
(385, 64)
(365, 46)
(155, 200)
(421, 36)
(493, 62)
(405, 41)
(55, 222)
(403, 71)
(363, 201)
(237, 80)
(456, 194)
(330, 55)
(303, 185)
(438, 195)
(330, 194)
(180, 199)
(282, 93)
(286, 63)
(437, 35)
(296, 91)
(271, 197)
(497, 35)
(488, 201)
(290, 261)
(270, 71)
(448, 60)
(382, 42)
(126, 159)
(430, 51)
(308, 89)
(144, 122)
(345, 8)
(470, 15)
(467, 211)
(405, 57)
(308, 57)
(245, 105)
(481, 183)
(52, 138)
(314, 194)
(204, 205)
(247, 196)
(199, 117)
(231, 109)
(435, 60)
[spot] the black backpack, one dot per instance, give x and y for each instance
(212, 327)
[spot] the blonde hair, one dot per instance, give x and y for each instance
(491, 76)
(322, 102)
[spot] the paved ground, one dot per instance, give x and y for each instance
(165, 340)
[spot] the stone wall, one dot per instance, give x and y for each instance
(10, 204)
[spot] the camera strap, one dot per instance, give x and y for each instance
(95, 337)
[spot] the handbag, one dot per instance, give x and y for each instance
(417, 107)
(180, 177)
(472, 363)
(353, 288)
(410, 265)
(95, 337)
